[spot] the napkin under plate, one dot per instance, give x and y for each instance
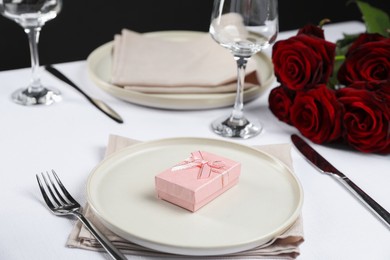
(158, 65)
(285, 246)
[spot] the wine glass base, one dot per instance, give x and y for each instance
(243, 128)
(44, 97)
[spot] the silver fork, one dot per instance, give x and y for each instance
(61, 203)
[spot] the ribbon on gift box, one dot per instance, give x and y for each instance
(205, 167)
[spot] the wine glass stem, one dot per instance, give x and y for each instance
(33, 38)
(237, 115)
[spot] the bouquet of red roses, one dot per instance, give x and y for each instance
(333, 99)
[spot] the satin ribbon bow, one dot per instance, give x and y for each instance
(197, 160)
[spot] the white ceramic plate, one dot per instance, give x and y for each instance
(99, 68)
(266, 201)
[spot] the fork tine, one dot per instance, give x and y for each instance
(49, 187)
(63, 200)
(44, 194)
(64, 190)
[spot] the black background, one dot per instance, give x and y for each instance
(84, 25)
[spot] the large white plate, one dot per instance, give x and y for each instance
(99, 68)
(266, 201)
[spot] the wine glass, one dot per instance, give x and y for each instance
(244, 27)
(32, 15)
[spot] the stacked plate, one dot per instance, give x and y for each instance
(99, 66)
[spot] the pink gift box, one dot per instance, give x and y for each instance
(197, 180)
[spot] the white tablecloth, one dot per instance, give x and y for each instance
(70, 137)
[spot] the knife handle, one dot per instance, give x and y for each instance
(377, 209)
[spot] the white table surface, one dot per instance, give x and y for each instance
(71, 136)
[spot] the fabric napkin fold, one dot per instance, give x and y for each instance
(285, 246)
(157, 65)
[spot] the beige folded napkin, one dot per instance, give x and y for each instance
(285, 246)
(158, 65)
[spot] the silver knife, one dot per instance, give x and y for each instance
(321, 164)
(96, 102)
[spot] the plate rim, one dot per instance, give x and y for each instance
(183, 101)
(195, 251)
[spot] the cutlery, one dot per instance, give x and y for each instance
(99, 104)
(61, 203)
(322, 165)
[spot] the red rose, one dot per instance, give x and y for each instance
(280, 100)
(364, 38)
(303, 61)
(312, 30)
(383, 90)
(368, 59)
(366, 119)
(316, 113)
(370, 85)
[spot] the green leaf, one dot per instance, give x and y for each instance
(376, 20)
(342, 45)
(333, 82)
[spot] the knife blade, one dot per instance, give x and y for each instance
(99, 104)
(322, 165)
